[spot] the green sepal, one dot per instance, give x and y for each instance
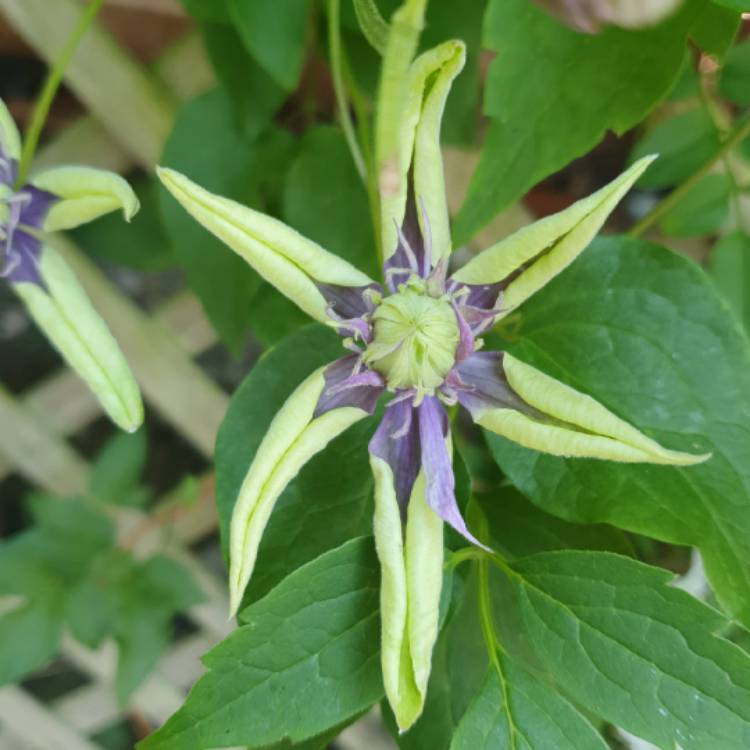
(10, 138)
(571, 423)
(411, 563)
(84, 194)
(293, 438)
(418, 148)
(287, 260)
(61, 308)
(547, 247)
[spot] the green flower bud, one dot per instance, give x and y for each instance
(415, 339)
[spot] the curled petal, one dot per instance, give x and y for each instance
(412, 562)
(347, 385)
(569, 423)
(60, 307)
(294, 437)
(10, 138)
(537, 253)
(429, 82)
(83, 194)
(282, 256)
(440, 484)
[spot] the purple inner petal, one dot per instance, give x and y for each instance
(440, 483)
(480, 383)
(347, 385)
(22, 259)
(396, 441)
(413, 252)
(35, 204)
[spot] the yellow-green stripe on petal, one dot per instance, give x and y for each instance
(429, 82)
(10, 138)
(549, 245)
(84, 195)
(410, 587)
(66, 316)
(293, 438)
(585, 428)
(282, 256)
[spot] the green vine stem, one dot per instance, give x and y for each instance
(337, 74)
(741, 132)
(51, 84)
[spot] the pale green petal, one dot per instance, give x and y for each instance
(65, 315)
(410, 587)
(10, 138)
(282, 256)
(585, 427)
(293, 438)
(429, 82)
(549, 245)
(85, 194)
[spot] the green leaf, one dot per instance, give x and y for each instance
(516, 711)
(331, 499)
(142, 244)
(716, 27)
(571, 95)
(519, 528)
(147, 599)
(274, 316)
(683, 143)
(207, 10)
(642, 330)
(729, 266)
(30, 636)
(253, 92)
(702, 210)
(275, 39)
(634, 650)
(325, 200)
(208, 146)
(734, 76)
(306, 660)
(738, 5)
(117, 470)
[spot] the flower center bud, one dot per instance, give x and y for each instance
(415, 339)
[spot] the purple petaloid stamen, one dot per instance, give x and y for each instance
(345, 385)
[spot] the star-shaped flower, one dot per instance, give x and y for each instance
(414, 341)
(57, 199)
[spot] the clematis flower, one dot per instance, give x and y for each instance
(413, 341)
(57, 199)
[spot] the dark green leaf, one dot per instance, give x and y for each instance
(253, 92)
(275, 38)
(519, 528)
(141, 244)
(117, 470)
(734, 77)
(306, 660)
(716, 27)
(634, 650)
(516, 711)
(330, 501)
(642, 331)
(580, 87)
(325, 199)
(702, 210)
(730, 267)
(207, 145)
(207, 10)
(274, 316)
(683, 143)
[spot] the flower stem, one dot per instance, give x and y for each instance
(334, 46)
(741, 132)
(51, 84)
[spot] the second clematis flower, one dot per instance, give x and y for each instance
(52, 200)
(413, 339)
